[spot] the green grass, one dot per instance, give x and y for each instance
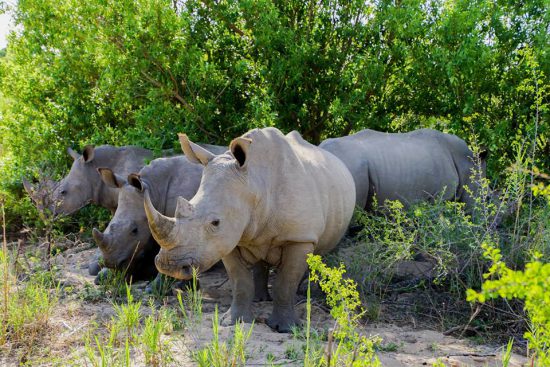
(223, 354)
(26, 306)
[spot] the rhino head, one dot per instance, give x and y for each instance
(41, 193)
(127, 241)
(211, 224)
(76, 189)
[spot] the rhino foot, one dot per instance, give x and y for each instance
(283, 322)
(102, 276)
(234, 314)
(94, 268)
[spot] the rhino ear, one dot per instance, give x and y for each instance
(194, 152)
(88, 153)
(73, 154)
(239, 148)
(183, 208)
(110, 178)
(135, 181)
(30, 189)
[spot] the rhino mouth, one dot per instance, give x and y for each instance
(179, 268)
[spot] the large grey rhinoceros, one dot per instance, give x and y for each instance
(127, 243)
(409, 167)
(271, 198)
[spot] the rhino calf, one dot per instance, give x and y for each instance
(409, 167)
(271, 198)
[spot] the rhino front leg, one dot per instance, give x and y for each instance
(242, 286)
(290, 272)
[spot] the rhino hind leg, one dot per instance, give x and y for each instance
(290, 273)
(242, 286)
(261, 276)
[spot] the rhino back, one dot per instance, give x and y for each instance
(306, 194)
(401, 166)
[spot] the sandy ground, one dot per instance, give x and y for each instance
(77, 315)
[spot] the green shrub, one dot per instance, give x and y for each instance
(144, 70)
(352, 348)
(531, 285)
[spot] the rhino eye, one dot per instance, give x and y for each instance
(135, 231)
(215, 222)
(63, 192)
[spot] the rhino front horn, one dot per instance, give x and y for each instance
(99, 238)
(161, 226)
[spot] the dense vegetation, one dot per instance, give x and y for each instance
(137, 72)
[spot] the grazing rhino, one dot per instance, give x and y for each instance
(127, 243)
(271, 198)
(409, 167)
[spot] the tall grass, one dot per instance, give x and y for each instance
(27, 306)
(231, 353)
(190, 303)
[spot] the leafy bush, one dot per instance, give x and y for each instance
(137, 72)
(352, 347)
(531, 285)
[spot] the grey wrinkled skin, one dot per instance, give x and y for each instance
(273, 199)
(127, 243)
(83, 185)
(409, 167)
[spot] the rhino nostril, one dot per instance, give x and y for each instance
(187, 271)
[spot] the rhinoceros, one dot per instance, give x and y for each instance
(83, 184)
(409, 167)
(127, 243)
(271, 198)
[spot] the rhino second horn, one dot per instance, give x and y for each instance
(161, 226)
(99, 238)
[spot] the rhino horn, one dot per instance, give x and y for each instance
(161, 226)
(99, 238)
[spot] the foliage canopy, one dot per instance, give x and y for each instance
(137, 72)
